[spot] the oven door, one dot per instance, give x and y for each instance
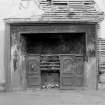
(33, 71)
(72, 72)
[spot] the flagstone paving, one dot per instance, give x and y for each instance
(53, 97)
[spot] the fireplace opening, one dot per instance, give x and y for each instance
(49, 47)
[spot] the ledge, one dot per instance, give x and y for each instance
(29, 20)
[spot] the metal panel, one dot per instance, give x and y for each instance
(33, 71)
(72, 72)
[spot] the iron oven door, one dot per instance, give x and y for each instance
(72, 72)
(33, 71)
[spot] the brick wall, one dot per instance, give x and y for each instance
(101, 52)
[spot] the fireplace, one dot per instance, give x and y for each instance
(45, 55)
(51, 55)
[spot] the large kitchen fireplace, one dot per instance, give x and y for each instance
(54, 60)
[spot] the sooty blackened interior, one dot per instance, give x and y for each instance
(54, 43)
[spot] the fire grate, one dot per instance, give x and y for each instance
(49, 62)
(50, 71)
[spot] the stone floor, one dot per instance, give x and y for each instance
(53, 97)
